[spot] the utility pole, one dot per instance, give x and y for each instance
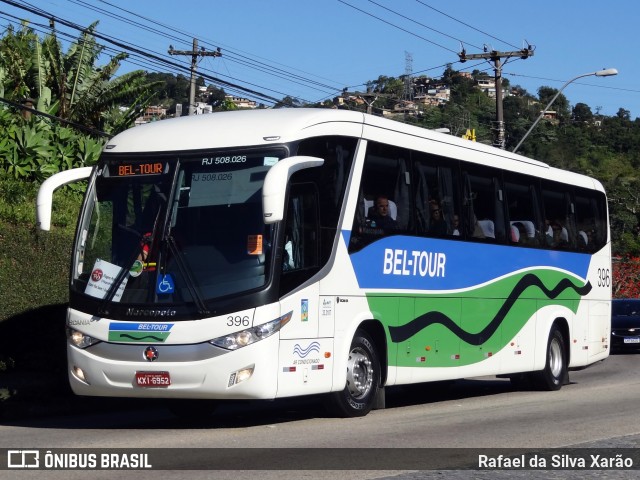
(496, 57)
(195, 53)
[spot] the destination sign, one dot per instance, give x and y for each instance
(137, 169)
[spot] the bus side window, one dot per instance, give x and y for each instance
(483, 206)
(590, 220)
(436, 196)
(300, 242)
(558, 216)
(383, 206)
(525, 220)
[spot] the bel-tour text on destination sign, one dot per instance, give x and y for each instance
(562, 461)
(413, 263)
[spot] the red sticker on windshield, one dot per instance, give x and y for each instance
(96, 275)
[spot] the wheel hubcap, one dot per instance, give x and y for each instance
(555, 358)
(359, 373)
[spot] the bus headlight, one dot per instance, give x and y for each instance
(79, 339)
(240, 339)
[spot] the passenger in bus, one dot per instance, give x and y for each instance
(437, 225)
(559, 237)
(381, 215)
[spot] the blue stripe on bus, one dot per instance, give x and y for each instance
(402, 262)
(141, 327)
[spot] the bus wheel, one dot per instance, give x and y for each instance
(363, 380)
(555, 370)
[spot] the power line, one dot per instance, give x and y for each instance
(575, 83)
(496, 57)
(229, 52)
(126, 47)
(147, 56)
(465, 24)
(418, 23)
(33, 111)
(398, 27)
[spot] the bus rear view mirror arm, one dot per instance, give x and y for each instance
(45, 193)
(275, 185)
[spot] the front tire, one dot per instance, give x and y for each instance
(555, 371)
(363, 380)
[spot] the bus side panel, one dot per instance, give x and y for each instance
(306, 356)
(351, 312)
(305, 366)
(599, 313)
(304, 321)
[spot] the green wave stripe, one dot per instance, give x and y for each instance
(135, 337)
(462, 328)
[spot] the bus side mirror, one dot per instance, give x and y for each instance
(44, 201)
(275, 185)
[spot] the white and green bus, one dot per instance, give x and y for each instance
(243, 255)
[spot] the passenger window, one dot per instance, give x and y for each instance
(437, 199)
(525, 219)
(383, 206)
(558, 227)
(590, 218)
(483, 216)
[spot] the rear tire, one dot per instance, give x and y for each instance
(363, 380)
(555, 371)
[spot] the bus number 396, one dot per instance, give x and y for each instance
(604, 277)
(237, 321)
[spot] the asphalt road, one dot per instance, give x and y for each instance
(597, 410)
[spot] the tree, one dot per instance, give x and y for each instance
(623, 114)
(560, 104)
(70, 85)
(582, 113)
(288, 102)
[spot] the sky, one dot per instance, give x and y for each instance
(313, 49)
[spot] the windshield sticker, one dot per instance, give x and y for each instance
(270, 161)
(102, 277)
(254, 244)
(139, 332)
(165, 284)
(136, 269)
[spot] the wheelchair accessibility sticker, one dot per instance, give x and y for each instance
(165, 284)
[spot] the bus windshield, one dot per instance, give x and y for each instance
(175, 230)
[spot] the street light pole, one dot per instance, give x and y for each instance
(600, 73)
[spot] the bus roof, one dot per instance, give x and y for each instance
(226, 129)
(270, 126)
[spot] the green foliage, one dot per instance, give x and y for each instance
(34, 264)
(35, 149)
(70, 85)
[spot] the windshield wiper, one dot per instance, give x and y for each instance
(194, 290)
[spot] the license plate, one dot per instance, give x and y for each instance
(153, 379)
(632, 340)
